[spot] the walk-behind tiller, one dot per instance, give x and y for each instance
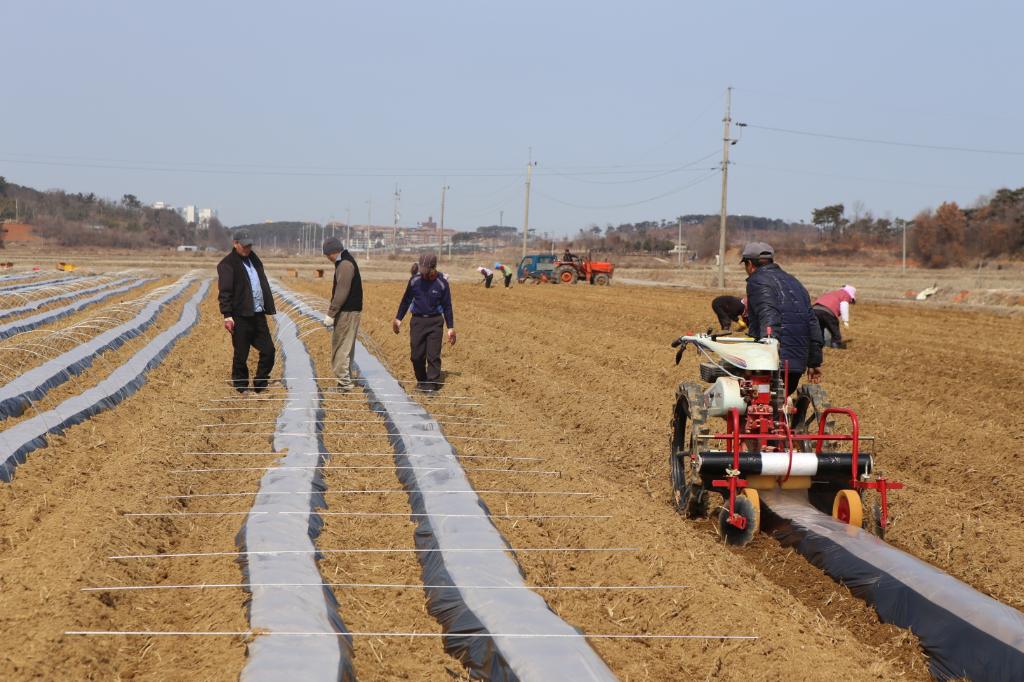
(769, 442)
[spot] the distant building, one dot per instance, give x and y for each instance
(188, 213)
(159, 205)
(205, 216)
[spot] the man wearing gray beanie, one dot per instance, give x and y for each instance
(344, 311)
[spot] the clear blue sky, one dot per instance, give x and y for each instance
(271, 110)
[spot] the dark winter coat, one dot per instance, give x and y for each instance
(235, 290)
(777, 300)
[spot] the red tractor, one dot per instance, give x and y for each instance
(572, 268)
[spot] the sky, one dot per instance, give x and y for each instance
(318, 110)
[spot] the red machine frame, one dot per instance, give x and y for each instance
(760, 417)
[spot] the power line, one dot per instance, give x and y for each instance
(891, 143)
(661, 174)
(632, 203)
(797, 171)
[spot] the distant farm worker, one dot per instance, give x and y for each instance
(730, 309)
(429, 297)
(568, 256)
(778, 307)
(344, 312)
(488, 276)
(506, 271)
(832, 307)
(245, 301)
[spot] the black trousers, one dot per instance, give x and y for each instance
(792, 381)
(830, 323)
(728, 310)
(508, 281)
(425, 335)
(251, 332)
(487, 280)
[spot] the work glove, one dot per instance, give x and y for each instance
(846, 324)
(328, 321)
(229, 324)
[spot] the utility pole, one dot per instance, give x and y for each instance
(526, 217)
(369, 227)
(394, 229)
(904, 247)
(679, 243)
(725, 187)
(348, 227)
(501, 218)
(440, 236)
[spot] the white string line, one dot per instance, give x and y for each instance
(327, 393)
(374, 454)
(331, 400)
(383, 491)
(341, 421)
(357, 433)
(339, 409)
(482, 517)
(526, 472)
(477, 635)
(374, 550)
(387, 586)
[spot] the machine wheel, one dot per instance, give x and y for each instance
(810, 400)
(848, 508)
(602, 280)
(688, 419)
(755, 500)
(566, 275)
(872, 521)
(733, 535)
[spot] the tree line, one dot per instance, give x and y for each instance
(80, 219)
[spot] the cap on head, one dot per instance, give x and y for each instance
(851, 290)
(332, 245)
(428, 261)
(755, 251)
(242, 237)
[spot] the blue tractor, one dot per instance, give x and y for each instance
(537, 267)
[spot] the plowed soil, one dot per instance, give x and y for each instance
(584, 376)
(63, 516)
(580, 378)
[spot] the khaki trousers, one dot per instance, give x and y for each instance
(343, 346)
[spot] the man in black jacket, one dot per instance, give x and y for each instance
(245, 302)
(779, 307)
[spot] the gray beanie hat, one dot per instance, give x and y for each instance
(332, 245)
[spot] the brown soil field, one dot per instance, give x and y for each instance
(584, 375)
(63, 516)
(580, 378)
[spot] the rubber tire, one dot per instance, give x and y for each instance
(732, 535)
(755, 500)
(848, 507)
(602, 280)
(566, 275)
(688, 496)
